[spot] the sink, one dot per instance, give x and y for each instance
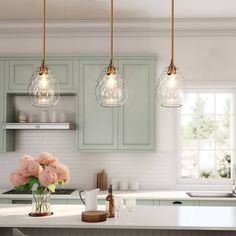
(211, 194)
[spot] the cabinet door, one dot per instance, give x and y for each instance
(63, 71)
(21, 71)
(97, 125)
(137, 116)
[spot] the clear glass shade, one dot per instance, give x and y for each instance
(111, 90)
(43, 89)
(169, 89)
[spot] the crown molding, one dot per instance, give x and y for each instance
(123, 28)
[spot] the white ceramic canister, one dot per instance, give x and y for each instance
(123, 185)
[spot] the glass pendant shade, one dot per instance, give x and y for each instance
(43, 89)
(111, 90)
(170, 89)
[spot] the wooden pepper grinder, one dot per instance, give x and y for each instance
(102, 180)
(110, 204)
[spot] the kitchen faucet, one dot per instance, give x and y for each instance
(234, 181)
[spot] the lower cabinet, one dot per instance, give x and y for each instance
(178, 203)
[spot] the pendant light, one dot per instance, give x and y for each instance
(111, 90)
(171, 82)
(43, 89)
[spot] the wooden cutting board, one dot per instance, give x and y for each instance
(94, 216)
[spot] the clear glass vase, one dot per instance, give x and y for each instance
(41, 203)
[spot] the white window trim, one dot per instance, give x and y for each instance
(204, 182)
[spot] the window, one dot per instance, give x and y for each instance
(207, 141)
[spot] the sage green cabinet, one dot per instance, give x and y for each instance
(131, 127)
(22, 69)
(97, 125)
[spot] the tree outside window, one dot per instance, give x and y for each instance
(207, 137)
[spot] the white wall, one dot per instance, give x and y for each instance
(202, 59)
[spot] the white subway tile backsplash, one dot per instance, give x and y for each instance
(150, 169)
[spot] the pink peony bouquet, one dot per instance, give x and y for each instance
(45, 173)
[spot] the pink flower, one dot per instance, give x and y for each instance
(48, 176)
(26, 157)
(62, 172)
(16, 179)
(33, 168)
(46, 158)
(29, 167)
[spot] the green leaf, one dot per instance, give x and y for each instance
(40, 189)
(52, 187)
(62, 182)
(32, 180)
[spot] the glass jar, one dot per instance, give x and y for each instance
(41, 203)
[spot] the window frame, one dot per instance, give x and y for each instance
(202, 181)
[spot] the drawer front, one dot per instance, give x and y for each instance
(145, 202)
(217, 203)
(176, 203)
(58, 201)
(5, 201)
(74, 202)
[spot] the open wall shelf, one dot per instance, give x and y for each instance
(41, 126)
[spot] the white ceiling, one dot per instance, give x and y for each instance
(124, 9)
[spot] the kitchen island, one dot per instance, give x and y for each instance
(144, 220)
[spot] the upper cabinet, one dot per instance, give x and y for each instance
(22, 69)
(131, 127)
(127, 128)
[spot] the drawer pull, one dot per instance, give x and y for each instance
(21, 201)
(177, 203)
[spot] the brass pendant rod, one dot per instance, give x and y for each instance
(44, 31)
(111, 33)
(172, 30)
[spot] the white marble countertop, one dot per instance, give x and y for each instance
(155, 217)
(139, 195)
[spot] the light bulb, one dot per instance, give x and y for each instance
(43, 89)
(43, 81)
(111, 89)
(111, 82)
(171, 82)
(169, 89)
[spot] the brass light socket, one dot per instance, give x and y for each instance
(43, 69)
(171, 69)
(111, 69)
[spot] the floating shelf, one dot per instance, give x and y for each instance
(41, 126)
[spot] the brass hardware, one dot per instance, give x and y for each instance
(111, 68)
(171, 69)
